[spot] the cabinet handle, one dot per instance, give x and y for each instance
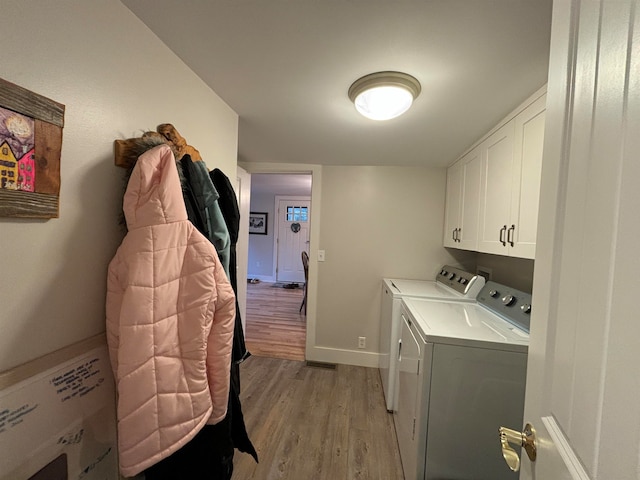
(503, 230)
(458, 234)
(453, 234)
(510, 235)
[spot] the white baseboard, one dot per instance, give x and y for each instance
(345, 357)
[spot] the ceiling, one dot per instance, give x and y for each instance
(285, 67)
(286, 184)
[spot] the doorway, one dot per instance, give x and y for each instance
(293, 216)
(276, 320)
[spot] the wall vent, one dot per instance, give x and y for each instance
(327, 366)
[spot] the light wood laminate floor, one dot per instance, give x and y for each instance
(275, 327)
(310, 423)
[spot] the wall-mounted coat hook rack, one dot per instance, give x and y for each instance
(126, 152)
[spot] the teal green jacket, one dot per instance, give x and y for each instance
(203, 200)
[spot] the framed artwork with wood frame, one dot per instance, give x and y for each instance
(30, 145)
(258, 223)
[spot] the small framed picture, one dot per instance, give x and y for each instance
(258, 223)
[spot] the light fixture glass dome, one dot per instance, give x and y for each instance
(384, 95)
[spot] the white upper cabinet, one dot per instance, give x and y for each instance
(461, 212)
(529, 142)
(495, 196)
(494, 189)
(452, 205)
(510, 184)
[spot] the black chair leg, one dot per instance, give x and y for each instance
(304, 300)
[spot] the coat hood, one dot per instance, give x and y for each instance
(154, 195)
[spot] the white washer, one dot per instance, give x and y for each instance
(462, 372)
(451, 284)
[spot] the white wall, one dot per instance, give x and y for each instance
(376, 222)
(116, 79)
(515, 272)
(261, 246)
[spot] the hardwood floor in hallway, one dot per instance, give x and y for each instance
(275, 327)
(311, 423)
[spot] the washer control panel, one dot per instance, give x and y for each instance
(466, 283)
(511, 304)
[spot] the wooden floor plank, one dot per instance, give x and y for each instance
(336, 442)
(262, 424)
(315, 423)
(275, 327)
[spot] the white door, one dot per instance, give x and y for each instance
(583, 386)
(293, 216)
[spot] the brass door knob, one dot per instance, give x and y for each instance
(526, 439)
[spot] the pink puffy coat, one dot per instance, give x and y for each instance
(170, 312)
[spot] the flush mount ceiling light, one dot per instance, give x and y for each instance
(384, 95)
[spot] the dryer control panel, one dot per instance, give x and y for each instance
(511, 304)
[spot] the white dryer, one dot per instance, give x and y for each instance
(452, 284)
(462, 371)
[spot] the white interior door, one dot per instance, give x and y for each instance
(293, 217)
(583, 386)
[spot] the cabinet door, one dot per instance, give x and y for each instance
(470, 204)
(462, 202)
(452, 204)
(528, 143)
(495, 190)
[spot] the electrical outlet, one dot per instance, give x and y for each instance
(362, 342)
(321, 255)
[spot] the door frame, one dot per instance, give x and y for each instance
(243, 194)
(312, 352)
(276, 226)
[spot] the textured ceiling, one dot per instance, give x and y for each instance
(285, 68)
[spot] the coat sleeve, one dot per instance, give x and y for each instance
(219, 344)
(113, 308)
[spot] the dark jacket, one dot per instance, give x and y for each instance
(231, 213)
